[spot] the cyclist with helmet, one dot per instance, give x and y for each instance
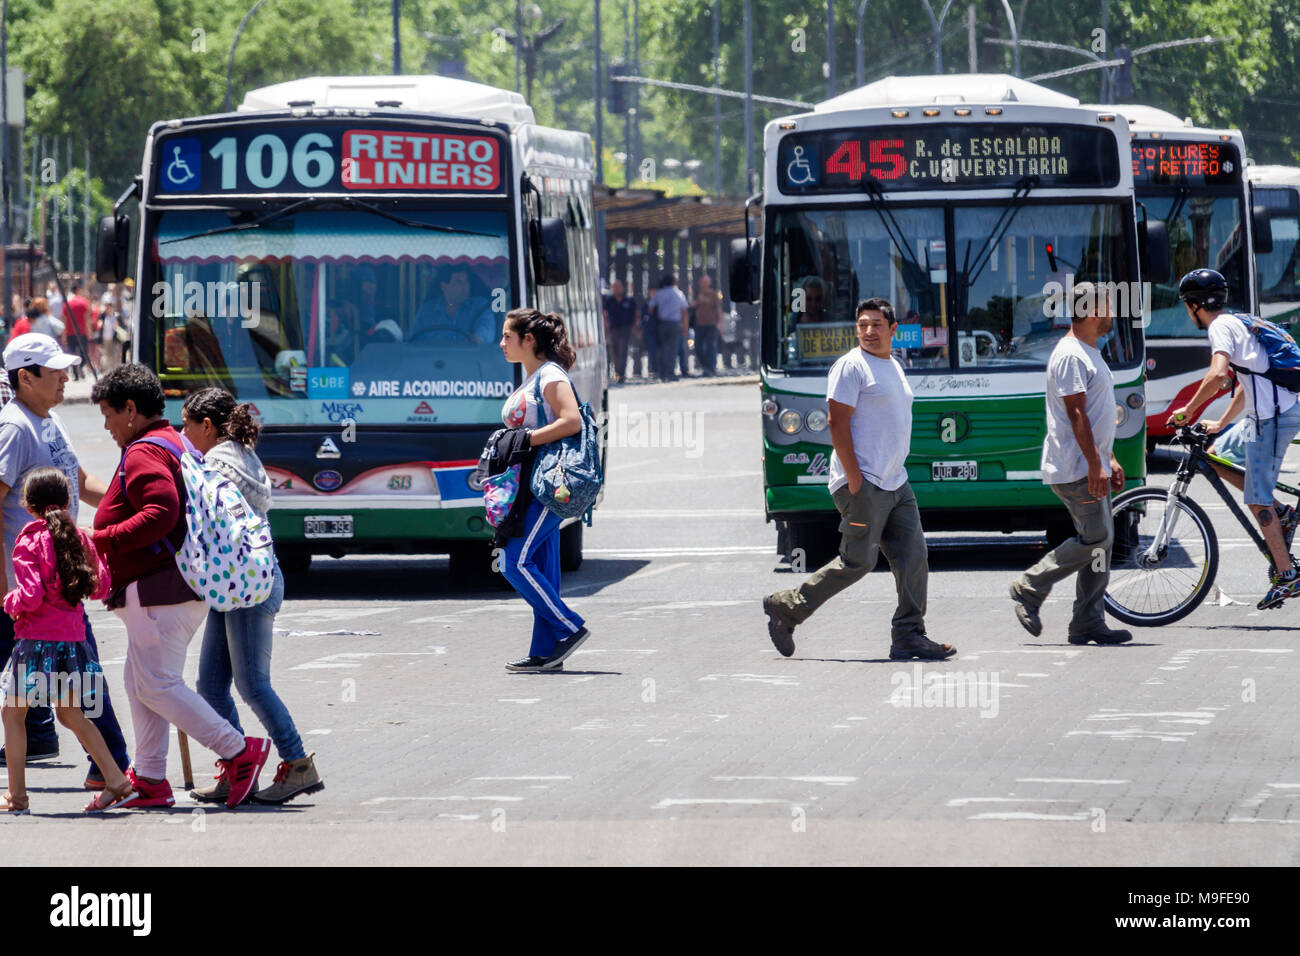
(1273, 416)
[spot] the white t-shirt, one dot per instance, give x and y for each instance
(881, 423)
(1229, 335)
(1077, 369)
(521, 407)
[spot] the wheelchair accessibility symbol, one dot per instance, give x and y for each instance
(180, 162)
(800, 171)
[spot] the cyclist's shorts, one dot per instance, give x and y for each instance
(1229, 443)
(1262, 464)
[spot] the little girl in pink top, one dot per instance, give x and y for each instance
(55, 567)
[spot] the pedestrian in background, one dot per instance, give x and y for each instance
(1079, 466)
(621, 318)
(77, 319)
(540, 343)
(870, 406)
(668, 306)
(42, 321)
(708, 317)
(237, 644)
(139, 526)
(33, 436)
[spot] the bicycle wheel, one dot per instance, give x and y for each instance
(1148, 590)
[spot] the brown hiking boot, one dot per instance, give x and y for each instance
(781, 632)
(218, 792)
(917, 645)
(291, 779)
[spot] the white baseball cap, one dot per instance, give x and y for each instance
(36, 348)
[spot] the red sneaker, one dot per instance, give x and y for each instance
(241, 771)
(147, 794)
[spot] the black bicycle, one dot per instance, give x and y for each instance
(1165, 554)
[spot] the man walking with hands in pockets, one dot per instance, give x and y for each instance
(1080, 467)
(871, 429)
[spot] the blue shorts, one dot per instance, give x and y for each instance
(1264, 456)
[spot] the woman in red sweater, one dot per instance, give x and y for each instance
(138, 528)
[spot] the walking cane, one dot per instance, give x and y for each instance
(186, 769)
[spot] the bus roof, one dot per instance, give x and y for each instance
(424, 94)
(1274, 175)
(945, 88)
(1146, 119)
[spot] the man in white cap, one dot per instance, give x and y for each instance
(33, 436)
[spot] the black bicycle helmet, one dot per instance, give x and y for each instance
(1203, 287)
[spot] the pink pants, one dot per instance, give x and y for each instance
(156, 639)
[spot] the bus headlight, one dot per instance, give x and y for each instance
(1135, 400)
(790, 421)
(816, 420)
(1121, 413)
(770, 407)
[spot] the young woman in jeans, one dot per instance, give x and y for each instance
(237, 644)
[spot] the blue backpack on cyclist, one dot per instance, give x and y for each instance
(1281, 349)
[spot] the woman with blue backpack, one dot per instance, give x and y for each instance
(237, 643)
(546, 404)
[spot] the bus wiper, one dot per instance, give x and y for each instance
(320, 202)
(251, 224)
(875, 191)
(1180, 200)
(349, 202)
(971, 271)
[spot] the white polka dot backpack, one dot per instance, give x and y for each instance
(227, 558)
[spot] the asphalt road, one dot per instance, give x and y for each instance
(678, 735)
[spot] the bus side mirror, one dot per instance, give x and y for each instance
(112, 248)
(1263, 228)
(1153, 236)
(550, 250)
(744, 270)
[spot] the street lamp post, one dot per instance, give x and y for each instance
(1015, 37)
(230, 61)
(859, 67)
(5, 286)
(938, 35)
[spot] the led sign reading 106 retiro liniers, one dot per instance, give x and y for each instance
(947, 156)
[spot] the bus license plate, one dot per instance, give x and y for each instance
(954, 470)
(327, 526)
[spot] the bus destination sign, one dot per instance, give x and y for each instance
(310, 158)
(947, 156)
(1166, 162)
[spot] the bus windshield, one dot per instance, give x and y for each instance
(1204, 233)
(323, 316)
(1279, 270)
(994, 302)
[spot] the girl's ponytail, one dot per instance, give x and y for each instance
(46, 492)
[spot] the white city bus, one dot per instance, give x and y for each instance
(1277, 272)
(971, 203)
(1194, 180)
(341, 252)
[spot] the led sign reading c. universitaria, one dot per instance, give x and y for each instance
(312, 157)
(947, 156)
(1167, 162)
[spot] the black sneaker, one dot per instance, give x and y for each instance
(1104, 635)
(778, 629)
(564, 648)
(1026, 614)
(919, 646)
(40, 752)
(527, 664)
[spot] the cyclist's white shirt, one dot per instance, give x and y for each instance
(1229, 335)
(1076, 368)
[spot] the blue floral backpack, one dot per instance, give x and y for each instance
(227, 558)
(567, 474)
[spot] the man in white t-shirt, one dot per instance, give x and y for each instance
(1079, 466)
(871, 431)
(1272, 417)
